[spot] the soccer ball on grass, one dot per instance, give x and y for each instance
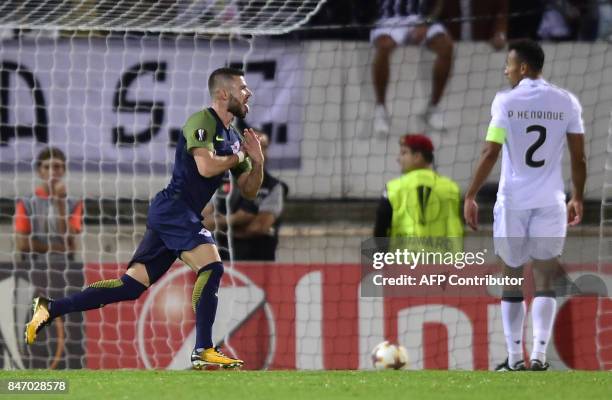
(389, 356)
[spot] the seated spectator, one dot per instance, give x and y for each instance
(255, 223)
(413, 22)
(569, 20)
(557, 21)
(478, 20)
(604, 27)
(47, 221)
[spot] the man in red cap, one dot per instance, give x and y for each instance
(420, 203)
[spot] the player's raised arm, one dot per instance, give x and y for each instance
(250, 182)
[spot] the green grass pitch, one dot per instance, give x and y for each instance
(295, 385)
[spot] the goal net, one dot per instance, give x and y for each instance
(255, 17)
(110, 84)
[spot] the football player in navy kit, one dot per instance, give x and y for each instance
(207, 149)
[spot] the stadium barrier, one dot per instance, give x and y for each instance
(291, 316)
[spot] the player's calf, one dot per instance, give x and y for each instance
(96, 295)
(204, 301)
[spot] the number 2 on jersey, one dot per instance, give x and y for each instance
(535, 146)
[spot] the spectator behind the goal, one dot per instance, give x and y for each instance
(48, 220)
(421, 203)
(477, 20)
(255, 223)
(556, 23)
(604, 23)
(410, 22)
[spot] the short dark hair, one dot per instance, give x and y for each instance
(530, 52)
(428, 157)
(48, 153)
(221, 74)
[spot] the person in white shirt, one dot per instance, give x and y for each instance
(410, 22)
(531, 122)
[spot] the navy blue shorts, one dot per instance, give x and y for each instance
(171, 229)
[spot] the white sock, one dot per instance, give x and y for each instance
(432, 108)
(381, 109)
(513, 316)
(543, 317)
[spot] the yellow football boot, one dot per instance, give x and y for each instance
(213, 356)
(40, 317)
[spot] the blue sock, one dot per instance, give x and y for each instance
(97, 295)
(204, 301)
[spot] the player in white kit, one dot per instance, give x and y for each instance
(531, 122)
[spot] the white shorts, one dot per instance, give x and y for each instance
(521, 235)
(400, 29)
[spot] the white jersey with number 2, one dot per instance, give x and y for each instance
(531, 122)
